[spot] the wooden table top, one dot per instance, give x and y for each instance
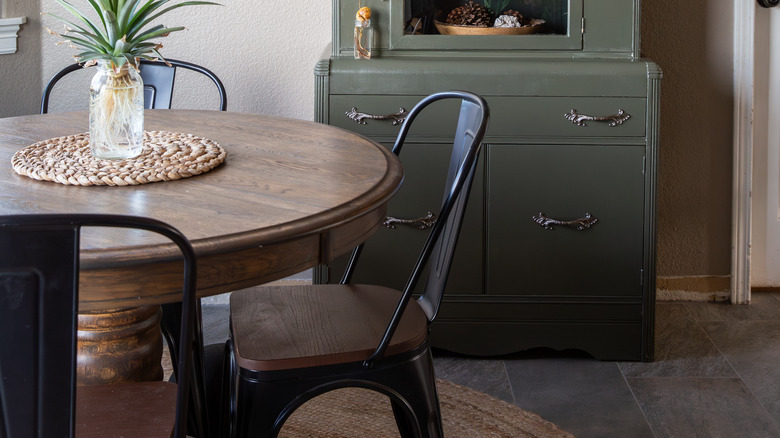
(291, 194)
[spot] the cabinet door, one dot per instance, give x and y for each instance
(565, 183)
(390, 254)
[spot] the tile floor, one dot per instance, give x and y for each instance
(716, 374)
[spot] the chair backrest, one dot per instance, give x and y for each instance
(440, 246)
(158, 78)
(39, 266)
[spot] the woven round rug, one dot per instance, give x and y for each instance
(166, 156)
(362, 413)
(466, 413)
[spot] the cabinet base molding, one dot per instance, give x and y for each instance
(693, 288)
(481, 338)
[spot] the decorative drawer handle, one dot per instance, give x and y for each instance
(395, 118)
(580, 119)
(580, 224)
(421, 223)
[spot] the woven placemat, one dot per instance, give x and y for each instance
(166, 156)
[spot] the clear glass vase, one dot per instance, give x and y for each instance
(116, 112)
(364, 39)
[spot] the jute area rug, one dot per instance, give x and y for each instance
(362, 413)
(357, 412)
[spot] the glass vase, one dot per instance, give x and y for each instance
(116, 112)
(364, 38)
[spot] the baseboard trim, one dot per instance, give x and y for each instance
(693, 288)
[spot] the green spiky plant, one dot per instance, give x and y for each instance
(117, 40)
(120, 36)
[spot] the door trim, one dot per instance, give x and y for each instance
(744, 35)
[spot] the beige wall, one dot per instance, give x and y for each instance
(20, 72)
(692, 42)
(265, 53)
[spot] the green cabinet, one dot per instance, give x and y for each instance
(558, 244)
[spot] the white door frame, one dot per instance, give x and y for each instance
(744, 35)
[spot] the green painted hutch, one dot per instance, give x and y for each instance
(558, 245)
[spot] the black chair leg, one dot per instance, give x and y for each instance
(259, 407)
(428, 416)
(416, 384)
(407, 427)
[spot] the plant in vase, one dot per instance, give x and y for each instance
(116, 41)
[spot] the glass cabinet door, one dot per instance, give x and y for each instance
(545, 25)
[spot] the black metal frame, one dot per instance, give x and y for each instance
(45, 250)
(768, 3)
(261, 401)
(158, 78)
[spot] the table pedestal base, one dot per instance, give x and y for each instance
(119, 346)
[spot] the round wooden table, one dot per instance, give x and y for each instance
(290, 195)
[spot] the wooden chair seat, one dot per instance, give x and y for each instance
(127, 410)
(288, 327)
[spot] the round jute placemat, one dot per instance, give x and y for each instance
(166, 156)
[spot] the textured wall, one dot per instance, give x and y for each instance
(265, 53)
(692, 42)
(20, 72)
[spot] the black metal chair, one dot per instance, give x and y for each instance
(158, 79)
(291, 343)
(39, 267)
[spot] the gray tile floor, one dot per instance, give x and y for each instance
(716, 374)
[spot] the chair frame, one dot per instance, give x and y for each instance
(59, 234)
(158, 75)
(406, 378)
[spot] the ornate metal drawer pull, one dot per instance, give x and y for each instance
(768, 3)
(580, 224)
(395, 119)
(580, 119)
(421, 223)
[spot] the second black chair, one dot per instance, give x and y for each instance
(158, 77)
(290, 344)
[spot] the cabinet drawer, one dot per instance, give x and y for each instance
(438, 120)
(552, 116)
(565, 183)
(511, 117)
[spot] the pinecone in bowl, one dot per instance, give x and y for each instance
(470, 14)
(516, 14)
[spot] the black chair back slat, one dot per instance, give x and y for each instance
(440, 246)
(159, 80)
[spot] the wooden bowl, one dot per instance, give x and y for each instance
(454, 29)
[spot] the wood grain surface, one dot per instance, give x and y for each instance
(291, 194)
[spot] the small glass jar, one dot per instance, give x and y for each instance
(116, 112)
(364, 38)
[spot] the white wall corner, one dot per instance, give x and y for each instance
(9, 27)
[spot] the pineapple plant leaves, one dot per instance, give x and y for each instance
(118, 35)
